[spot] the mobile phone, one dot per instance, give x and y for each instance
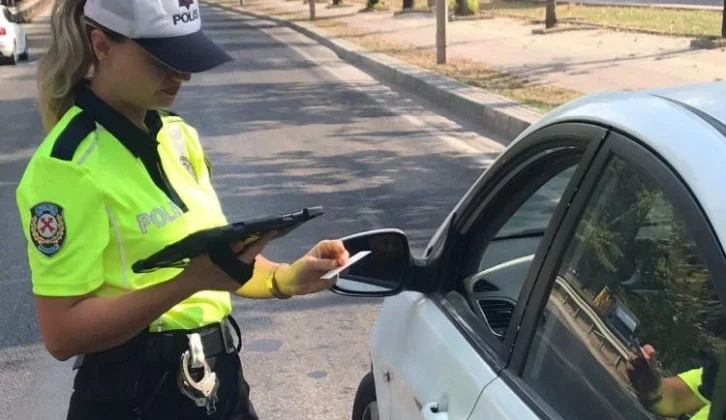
(352, 260)
(637, 348)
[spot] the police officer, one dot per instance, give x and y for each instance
(688, 392)
(117, 178)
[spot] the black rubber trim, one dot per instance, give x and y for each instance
(208, 164)
(76, 131)
(714, 122)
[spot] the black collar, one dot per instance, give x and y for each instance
(138, 142)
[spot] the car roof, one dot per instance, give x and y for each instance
(685, 126)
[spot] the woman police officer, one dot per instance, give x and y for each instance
(116, 179)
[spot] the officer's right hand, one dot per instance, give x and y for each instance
(644, 375)
(202, 274)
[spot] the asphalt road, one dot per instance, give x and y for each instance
(287, 125)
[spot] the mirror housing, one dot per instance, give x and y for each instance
(383, 272)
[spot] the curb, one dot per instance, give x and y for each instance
(708, 43)
(400, 12)
(559, 29)
(499, 114)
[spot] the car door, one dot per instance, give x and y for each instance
(432, 357)
(634, 263)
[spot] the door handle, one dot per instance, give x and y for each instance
(431, 411)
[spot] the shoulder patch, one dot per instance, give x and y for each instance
(47, 228)
(76, 131)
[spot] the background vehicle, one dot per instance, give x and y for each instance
(13, 39)
(505, 314)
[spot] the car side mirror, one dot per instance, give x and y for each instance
(380, 273)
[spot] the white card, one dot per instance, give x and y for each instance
(352, 260)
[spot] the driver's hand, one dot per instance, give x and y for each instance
(644, 375)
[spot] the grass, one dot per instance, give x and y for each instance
(666, 21)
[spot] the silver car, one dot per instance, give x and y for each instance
(585, 262)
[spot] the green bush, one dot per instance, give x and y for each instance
(473, 6)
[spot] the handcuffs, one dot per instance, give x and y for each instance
(203, 391)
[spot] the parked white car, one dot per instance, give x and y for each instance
(601, 229)
(13, 39)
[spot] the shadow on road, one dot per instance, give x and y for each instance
(368, 186)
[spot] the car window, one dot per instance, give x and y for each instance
(8, 16)
(632, 279)
(535, 214)
(503, 263)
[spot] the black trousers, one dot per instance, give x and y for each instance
(148, 391)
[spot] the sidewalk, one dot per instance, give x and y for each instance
(586, 61)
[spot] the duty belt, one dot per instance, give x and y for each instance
(167, 347)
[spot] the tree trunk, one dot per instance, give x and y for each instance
(408, 4)
(723, 20)
(337, 2)
(550, 15)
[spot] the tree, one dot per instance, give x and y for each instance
(550, 15)
(723, 20)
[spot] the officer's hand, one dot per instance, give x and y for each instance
(205, 275)
(644, 375)
(303, 276)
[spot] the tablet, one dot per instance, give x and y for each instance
(198, 243)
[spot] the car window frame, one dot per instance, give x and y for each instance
(679, 195)
(585, 137)
(8, 16)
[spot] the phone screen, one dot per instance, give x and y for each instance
(637, 348)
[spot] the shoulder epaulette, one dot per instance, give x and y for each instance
(70, 138)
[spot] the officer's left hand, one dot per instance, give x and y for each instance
(303, 276)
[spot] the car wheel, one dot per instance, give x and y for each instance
(25, 55)
(365, 406)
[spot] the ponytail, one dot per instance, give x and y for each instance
(67, 61)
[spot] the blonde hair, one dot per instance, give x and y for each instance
(67, 61)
